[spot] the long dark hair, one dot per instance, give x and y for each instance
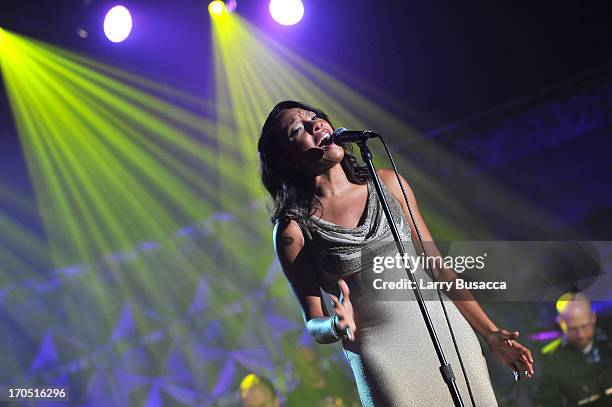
(293, 192)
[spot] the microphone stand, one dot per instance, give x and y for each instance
(445, 367)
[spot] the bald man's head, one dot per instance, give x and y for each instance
(576, 319)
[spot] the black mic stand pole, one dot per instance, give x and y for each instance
(445, 367)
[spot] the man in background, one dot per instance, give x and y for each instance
(576, 368)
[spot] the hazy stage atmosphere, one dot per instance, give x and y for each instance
(136, 258)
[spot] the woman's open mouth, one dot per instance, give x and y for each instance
(326, 140)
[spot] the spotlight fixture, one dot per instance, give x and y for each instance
(287, 12)
(117, 24)
(216, 8)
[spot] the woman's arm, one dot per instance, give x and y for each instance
(462, 298)
(288, 244)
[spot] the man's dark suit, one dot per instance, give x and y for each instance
(569, 376)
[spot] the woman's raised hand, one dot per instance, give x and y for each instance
(511, 353)
(344, 310)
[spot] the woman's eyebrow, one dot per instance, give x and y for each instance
(295, 117)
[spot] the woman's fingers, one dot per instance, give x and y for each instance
(524, 351)
(345, 296)
(509, 336)
(336, 301)
(345, 317)
(524, 364)
(338, 306)
(527, 353)
(345, 290)
(511, 352)
(524, 360)
(525, 368)
(519, 361)
(528, 365)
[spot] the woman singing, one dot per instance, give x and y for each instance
(327, 217)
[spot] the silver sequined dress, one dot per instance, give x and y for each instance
(393, 360)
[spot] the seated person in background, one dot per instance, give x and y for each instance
(257, 391)
(577, 366)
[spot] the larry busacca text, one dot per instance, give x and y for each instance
(459, 264)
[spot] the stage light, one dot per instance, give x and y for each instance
(216, 8)
(287, 12)
(1, 34)
(117, 24)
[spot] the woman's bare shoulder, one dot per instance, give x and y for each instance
(389, 178)
(287, 234)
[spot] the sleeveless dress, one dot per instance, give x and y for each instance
(393, 360)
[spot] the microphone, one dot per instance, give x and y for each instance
(342, 135)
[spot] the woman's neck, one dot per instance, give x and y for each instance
(331, 182)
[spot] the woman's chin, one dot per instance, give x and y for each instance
(333, 152)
